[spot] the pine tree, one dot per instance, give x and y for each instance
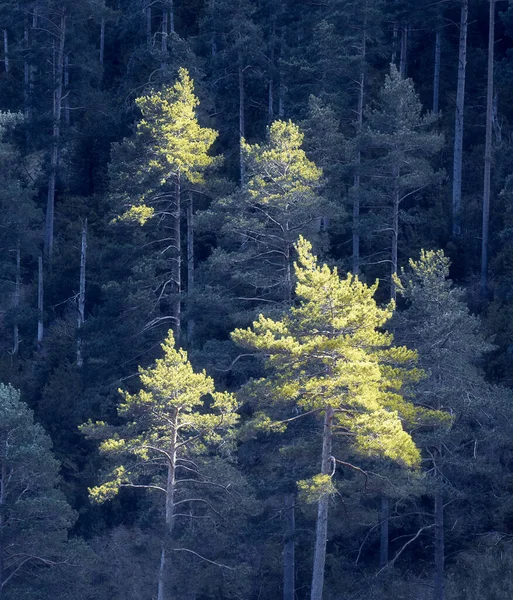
(328, 356)
(170, 425)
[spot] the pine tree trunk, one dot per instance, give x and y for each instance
(242, 124)
(488, 155)
(289, 567)
(384, 531)
(321, 530)
(395, 236)
(170, 506)
(102, 41)
(177, 261)
(163, 39)
(171, 16)
(395, 35)
(403, 60)
(54, 160)
(190, 260)
(439, 583)
(17, 290)
(270, 99)
(6, 51)
(458, 123)
(358, 160)
(40, 302)
(436, 74)
(81, 294)
(65, 100)
(3, 501)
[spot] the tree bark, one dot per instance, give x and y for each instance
(3, 500)
(384, 531)
(177, 261)
(439, 583)
(65, 100)
(6, 51)
(17, 290)
(190, 260)
(458, 122)
(102, 41)
(436, 74)
(40, 302)
(395, 236)
(171, 16)
(358, 160)
(54, 159)
(81, 294)
(242, 124)
(163, 39)
(321, 530)
(403, 60)
(289, 550)
(488, 155)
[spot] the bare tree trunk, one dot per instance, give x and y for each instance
(65, 99)
(358, 159)
(272, 42)
(54, 160)
(321, 530)
(102, 41)
(148, 24)
(458, 122)
(488, 155)
(281, 99)
(171, 16)
(81, 294)
(289, 567)
(439, 583)
(40, 302)
(163, 39)
(190, 260)
(436, 74)
(403, 61)
(6, 51)
(177, 261)
(17, 290)
(3, 502)
(395, 236)
(242, 124)
(394, 43)
(384, 530)
(170, 505)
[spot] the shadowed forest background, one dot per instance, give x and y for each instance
(256, 302)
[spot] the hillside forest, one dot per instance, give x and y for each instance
(256, 302)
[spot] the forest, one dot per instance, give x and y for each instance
(256, 302)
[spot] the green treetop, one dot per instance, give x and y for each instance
(328, 355)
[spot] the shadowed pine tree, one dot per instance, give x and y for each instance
(328, 356)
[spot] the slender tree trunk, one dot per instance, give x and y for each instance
(395, 236)
(358, 159)
(289, 567)
(171, 16)
(102, 41)
(384, 530)
(458, 122)
(148, 24)
(242, 123)
(177, 261)
(272, 42)
(395, 35)
(170, 505)
(190, 260)
(163, 39)
(488, 155)
(81, 294)
(54, 160)
(3, 501)
(40, 302)
(6, 51)
(321, 530)
(436, 74)
(439, 583)
(26, 83)
(17, 290)
(403, 60)
(281, 98)
(65, 100)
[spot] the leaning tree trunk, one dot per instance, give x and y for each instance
(458, 122)
(321, 530)
(488, 155)
(54, 159)
(190, 261)
(289, 550)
